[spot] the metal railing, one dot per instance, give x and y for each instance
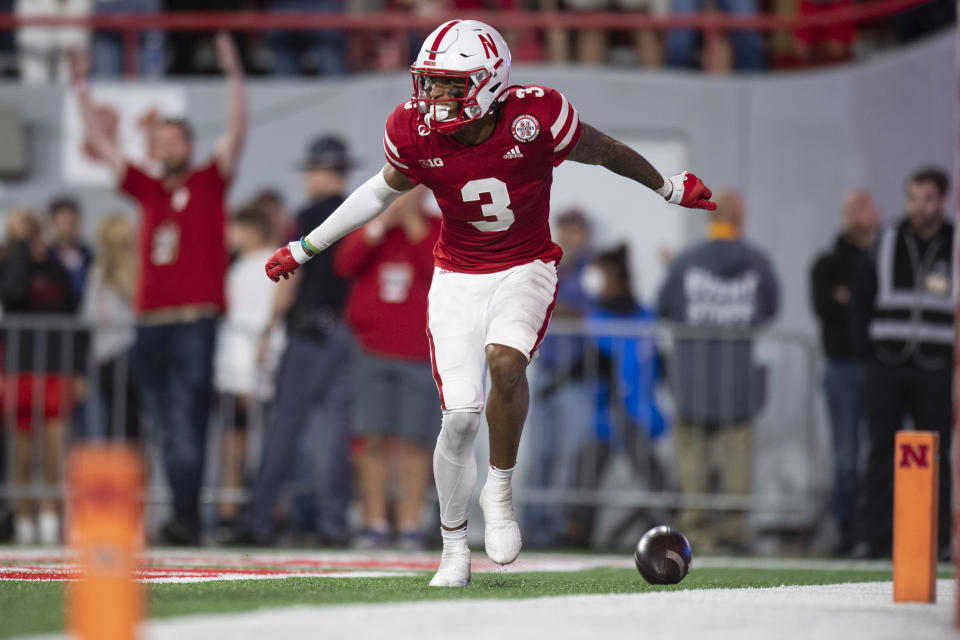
(605, 395)
(582, 429)
(49, 375)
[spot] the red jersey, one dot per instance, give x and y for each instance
(494, 196)
(387, 304)
(183, 255)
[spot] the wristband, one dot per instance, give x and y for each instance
(309, 248)
(298, 252)
(666, 190)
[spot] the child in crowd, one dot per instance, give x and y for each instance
(241, 366)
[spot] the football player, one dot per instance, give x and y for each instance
(487, 151)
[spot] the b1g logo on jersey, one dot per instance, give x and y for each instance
(525, 128)
(431, 163)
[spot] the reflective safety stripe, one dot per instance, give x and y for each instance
(911, 331)
(890, 298)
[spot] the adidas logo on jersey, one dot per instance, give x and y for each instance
(513, 153)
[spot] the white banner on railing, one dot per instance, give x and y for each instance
(127, 112)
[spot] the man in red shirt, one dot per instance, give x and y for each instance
(180, 290)
(487, 151)
(390, 264)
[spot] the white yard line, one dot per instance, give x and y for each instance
(528, 561)
(861, 611)
(275, 576)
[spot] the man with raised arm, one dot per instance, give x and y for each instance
(180, 287)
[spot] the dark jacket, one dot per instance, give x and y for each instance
(79, 269)
(27, 286)
(904, 299)
(832, 270)
(718, 286)
(322, 294)
(40, 288)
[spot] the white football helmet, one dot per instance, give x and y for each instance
(473, 61)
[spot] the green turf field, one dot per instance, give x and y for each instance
(35, 606)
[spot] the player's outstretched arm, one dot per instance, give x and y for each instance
(363, 205)
(596, 147)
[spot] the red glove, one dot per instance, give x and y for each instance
(689, 191)
(285, 261)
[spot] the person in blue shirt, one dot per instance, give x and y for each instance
(557, 415)
(621, 366)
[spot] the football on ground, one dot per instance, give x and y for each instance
(663, 556)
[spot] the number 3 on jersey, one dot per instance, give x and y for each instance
(498, 208)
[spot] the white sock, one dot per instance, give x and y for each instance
(499, 479)
(453, 536)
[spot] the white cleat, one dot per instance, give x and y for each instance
(501, 535)
(454, 570)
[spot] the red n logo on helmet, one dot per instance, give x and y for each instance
(488, 45)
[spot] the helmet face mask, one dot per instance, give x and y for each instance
(461, 70)
(448, 99)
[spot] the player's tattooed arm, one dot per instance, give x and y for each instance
(596, 147)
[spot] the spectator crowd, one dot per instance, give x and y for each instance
(37, 54)
(168, 325)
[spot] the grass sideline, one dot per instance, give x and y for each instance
(35, 606)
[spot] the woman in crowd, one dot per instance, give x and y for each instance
(108, 308)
